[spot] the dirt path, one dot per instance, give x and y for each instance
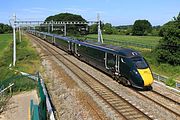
(18, 106)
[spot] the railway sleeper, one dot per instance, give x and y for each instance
(127, 110)
(122, 107)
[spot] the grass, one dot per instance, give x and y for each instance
(160, 68)
(5, 40)
(27, 61)
(171, 82)
(145, 40)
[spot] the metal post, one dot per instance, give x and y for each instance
(100, 38)
(48, 27)
(65, 30)
(19, 33)
(10, 89)
(14, 41)
(52, 26)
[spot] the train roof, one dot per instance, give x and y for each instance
(126, 52)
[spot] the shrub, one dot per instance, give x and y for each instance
(168, 49)
(170, 82)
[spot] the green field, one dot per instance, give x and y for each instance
(5, 41)
(145, 40)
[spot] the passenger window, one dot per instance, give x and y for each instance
(111, 60)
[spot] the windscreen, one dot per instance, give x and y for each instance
(140, 63)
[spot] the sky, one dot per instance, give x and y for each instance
(116, 12)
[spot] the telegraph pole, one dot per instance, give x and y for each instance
(14, 40)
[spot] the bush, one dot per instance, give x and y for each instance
(5, 28)
(168, 50)
(170, 82)
(141, 27)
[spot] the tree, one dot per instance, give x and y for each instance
(107, 28)
(93, 29)
(177, 18)
(4, 28)
(168, 49)
(125, 29)
(71, 29)
(141, 27)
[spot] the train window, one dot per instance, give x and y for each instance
(140, 63)
(111, 60)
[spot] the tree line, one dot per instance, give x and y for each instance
(139, 28)
(4, 28)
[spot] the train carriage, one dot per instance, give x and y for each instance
(62, 42)
(49, 38)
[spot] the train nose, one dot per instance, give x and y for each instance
(146, 76)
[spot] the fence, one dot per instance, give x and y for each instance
(34, 111)
(6, 90)
(44, 105)
(38, 112)
(5, 94)
(164, 79)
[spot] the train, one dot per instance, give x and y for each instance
(124, 65)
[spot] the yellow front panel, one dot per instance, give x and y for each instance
(146, 76)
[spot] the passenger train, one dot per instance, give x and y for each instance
(124, 65)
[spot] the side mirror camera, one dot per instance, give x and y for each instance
(122, 60)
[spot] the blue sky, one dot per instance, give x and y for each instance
(117, 12)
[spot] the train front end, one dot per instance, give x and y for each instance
(141, 73)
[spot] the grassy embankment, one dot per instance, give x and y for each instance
(27, 61)
(160, 68)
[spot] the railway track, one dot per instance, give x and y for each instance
(122, 107)
(168, 98)
(156, 97)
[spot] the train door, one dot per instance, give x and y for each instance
(44, 37)
(117, 66)
(72, 47)
(124, 67)
(110, 61)
(76, 49)
(69, 46)
(54, 40)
